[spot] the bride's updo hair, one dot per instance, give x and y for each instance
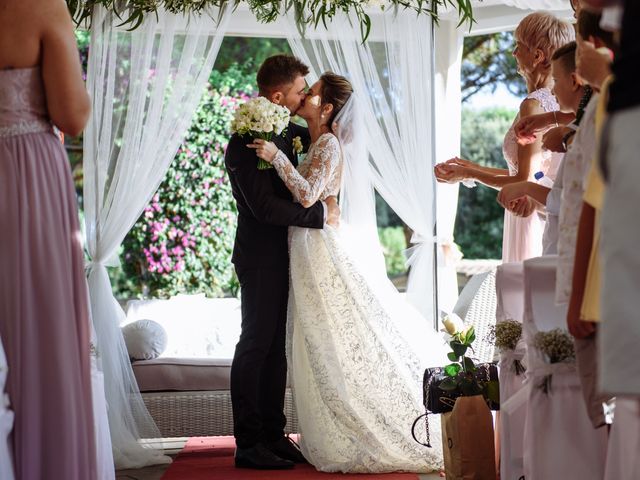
(335, 90)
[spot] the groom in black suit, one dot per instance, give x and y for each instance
(261, 259)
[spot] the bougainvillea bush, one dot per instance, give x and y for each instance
(182, 242)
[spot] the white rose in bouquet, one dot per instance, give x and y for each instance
(260, 118)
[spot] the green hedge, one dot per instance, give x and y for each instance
(479, 220)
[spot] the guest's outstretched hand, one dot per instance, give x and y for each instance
(459, 161)
(528, 128)
(451, 171)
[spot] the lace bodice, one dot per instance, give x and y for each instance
(550, 161)
(23, 107)
(318, 176)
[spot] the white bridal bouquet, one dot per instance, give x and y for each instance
(260, 118)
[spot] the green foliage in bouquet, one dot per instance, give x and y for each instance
(461, 373)
(183, 241)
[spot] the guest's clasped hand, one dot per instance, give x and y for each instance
(451, 171)
(264, 149)
(511, 197)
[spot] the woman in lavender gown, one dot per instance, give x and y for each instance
(43, 306)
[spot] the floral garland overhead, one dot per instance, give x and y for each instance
(308, 13)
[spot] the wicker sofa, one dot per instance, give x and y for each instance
(186, 390)
(190, 397)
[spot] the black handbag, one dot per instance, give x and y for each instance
(437, 400)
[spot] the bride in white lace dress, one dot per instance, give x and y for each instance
(356, 379)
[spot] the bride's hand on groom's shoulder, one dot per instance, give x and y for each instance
(264, 149)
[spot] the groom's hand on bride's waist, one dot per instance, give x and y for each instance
(333, 211)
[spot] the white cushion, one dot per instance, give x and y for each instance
(196, 326)
(145, 339)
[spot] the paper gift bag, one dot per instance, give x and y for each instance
(467, 440)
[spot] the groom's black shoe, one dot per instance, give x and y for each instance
(287, 449)
(261, 458)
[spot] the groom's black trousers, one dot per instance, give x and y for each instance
(259, 368)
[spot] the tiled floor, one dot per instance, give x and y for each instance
(172, 447)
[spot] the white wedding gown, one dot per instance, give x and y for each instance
(356, 381)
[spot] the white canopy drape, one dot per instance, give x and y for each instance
(145, 86)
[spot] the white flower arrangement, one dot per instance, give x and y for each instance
(260, 118)
(557, 347)
(505, 336)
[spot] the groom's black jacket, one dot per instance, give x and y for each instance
(265, 205)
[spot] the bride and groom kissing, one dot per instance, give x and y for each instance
(306, 305)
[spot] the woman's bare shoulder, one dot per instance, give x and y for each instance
(23, 27)
(530, 106)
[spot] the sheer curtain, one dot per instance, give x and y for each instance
(393, 81)
(145, 86)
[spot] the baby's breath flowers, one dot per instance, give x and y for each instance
(557, 347)
(506, 336)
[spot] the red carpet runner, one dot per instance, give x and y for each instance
(211, 458)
